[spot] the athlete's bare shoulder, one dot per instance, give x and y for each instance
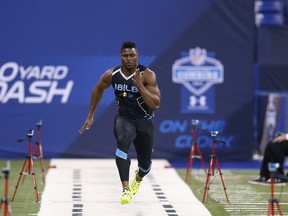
(106, 78)
(109, 71)
(149, 75)
(148, 70)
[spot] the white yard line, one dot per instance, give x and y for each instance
(243, 199)
(90, 187)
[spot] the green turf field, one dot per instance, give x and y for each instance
(24, 202)
(244, 199)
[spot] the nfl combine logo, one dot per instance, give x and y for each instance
(197, 73)
(197, 56)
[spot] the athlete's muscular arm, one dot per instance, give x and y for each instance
(103, 83)
(147, 85)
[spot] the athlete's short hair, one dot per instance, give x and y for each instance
(128, 44)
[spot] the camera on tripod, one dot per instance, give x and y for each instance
(273, 167)
(39, 124)
(195, 123)
(30, 133)
(274, 170)
(6, 170)
(214, 134)
(5, 201)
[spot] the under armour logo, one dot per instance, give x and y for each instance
(194, 101)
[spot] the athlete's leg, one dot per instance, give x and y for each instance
(125, 133)
(144, 144)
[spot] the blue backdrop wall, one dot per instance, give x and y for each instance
(271, 90)
(53, 52)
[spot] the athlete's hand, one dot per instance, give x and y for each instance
(138, 78)
(87, 125)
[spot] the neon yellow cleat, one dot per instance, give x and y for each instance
(135, 185)
(126, 197)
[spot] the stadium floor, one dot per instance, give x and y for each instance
(88, 187)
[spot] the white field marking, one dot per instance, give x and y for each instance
(241, 196)
(265, 193)
(96, 186)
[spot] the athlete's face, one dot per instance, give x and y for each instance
(129, 58)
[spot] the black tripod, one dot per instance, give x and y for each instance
(273, 201)
(30, 170)
(5, 200)
(213, 160)
(195, 152)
